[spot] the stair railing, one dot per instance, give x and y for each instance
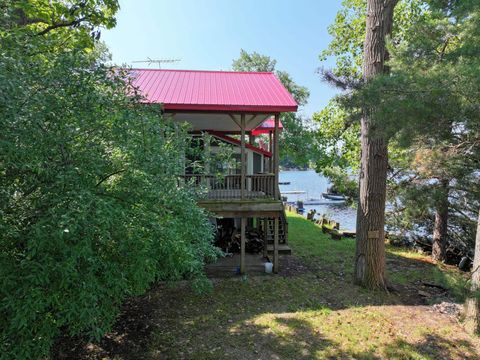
(283, 216)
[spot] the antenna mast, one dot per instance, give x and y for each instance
(159, 62)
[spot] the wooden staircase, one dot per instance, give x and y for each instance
(283, 247)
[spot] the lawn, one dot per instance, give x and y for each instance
(316, 314)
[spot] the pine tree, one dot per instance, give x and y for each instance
(370, 249)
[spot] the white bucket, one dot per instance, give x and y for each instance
(268, 267)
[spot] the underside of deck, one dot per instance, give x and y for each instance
(270, 218)
(243, 208)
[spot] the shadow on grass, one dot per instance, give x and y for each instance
(407, 271)
(302, 341)
(317, 314)
(432, 347)
(275, 318)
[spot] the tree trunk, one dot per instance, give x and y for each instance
(370, 249)
(472, 304)
(440, 230)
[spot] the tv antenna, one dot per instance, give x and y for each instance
(159, 62)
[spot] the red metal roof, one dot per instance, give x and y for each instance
(224, 91)
(238, 142)
(266, 127)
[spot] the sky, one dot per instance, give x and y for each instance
(208, 35)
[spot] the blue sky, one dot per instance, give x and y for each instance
(208, 35)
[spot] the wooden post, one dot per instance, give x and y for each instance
(265, 237)
(270, 148)
(275, 247)
(276, 160)
(206, 154)
(242, 244)
(275, 156)
(242, 157)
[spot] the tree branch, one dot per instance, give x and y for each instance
(60, 25)
(106, 177)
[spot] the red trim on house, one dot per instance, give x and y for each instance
(230, 108)
(238, 142)
(267, 127)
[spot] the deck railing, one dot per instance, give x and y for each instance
(257, 186)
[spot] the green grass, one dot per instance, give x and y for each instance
(308, 242)
(316, 315)
(418, 267)
(405, 266)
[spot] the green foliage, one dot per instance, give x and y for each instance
(299, 93)
(253, 62)
(66, 24)
(295, 141)
(338, 143)
(427, 106)
(337, 148)
(90, 208)
(348, 33)
(434, 79)
(336, 135)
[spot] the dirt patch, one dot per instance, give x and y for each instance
(229, 267)
(311, 309)
(129, 336)
(291, 265)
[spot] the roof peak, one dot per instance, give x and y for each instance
(207, 71)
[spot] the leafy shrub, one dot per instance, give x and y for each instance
(90, 210)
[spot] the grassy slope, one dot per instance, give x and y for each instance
(316, 315)
(403, 266)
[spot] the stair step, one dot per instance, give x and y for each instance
(269, 224)
(282, 249)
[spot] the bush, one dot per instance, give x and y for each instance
(90, 210)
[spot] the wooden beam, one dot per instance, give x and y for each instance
(207, 155)
(235, 120)
(239, 214)
(249, 121)
(242, 158)
(275, 246)
(238, 206)
(276, 155)
(242, 244)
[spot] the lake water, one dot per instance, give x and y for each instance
(314, 185)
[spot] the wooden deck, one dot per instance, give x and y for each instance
(227, 267)
(239, 208)
(234, 194)
(230, 266)
(244, 195)
(222, 187)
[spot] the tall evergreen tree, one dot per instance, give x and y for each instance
(425, 106)
(370, 248)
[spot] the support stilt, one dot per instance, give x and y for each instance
(242, 244)
(275, 247)
(265, 237)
